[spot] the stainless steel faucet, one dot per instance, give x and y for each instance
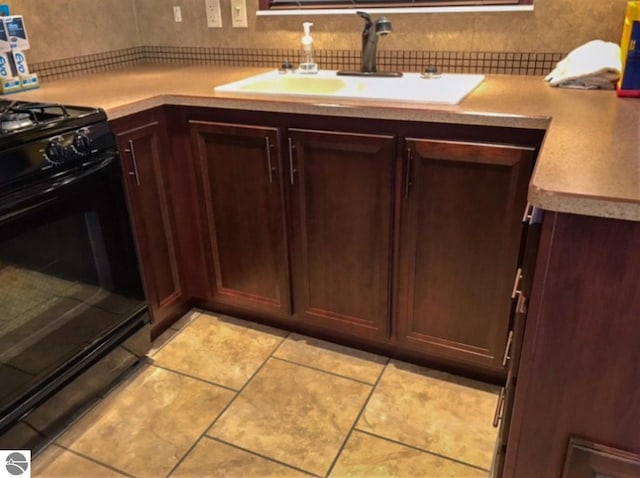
(372, 30)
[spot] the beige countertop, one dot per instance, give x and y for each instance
(589, 163)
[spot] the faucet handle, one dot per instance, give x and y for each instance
(286, 67)
(431, 72)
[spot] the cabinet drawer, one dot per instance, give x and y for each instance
(586, 459)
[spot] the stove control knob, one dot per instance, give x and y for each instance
(55, 152)
(81, 143)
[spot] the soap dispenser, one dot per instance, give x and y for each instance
(307, 64)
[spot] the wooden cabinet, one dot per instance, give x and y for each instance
(579, 370)
(243, 216)
(144, 146)
(461, 232)
(342, 201)
(365, 233)
(588, 459)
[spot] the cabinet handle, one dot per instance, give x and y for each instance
(515, 292)
(269, 166)
(407, 174)
(291, 170)
(532, 215)
(507, 349)
(528, 211)
(131, 150)
(497, 416)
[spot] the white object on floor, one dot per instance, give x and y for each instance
(595, 64)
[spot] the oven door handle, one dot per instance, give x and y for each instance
(41, 195)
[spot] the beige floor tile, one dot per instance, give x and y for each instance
(332, 358)
(161, 341)
(434, 411)
(222, 350)
(56, 462)
(185, 320)
(145, 427)
(366, 456)
(293, 414)
(210, 458)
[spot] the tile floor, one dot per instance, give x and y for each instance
(224, 397)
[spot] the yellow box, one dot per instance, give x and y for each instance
(629, 84)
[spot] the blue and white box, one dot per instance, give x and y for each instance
(4, 38)
(9, 81)
(17, 33)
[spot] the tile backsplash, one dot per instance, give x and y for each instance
(512, 63)
(90, 34)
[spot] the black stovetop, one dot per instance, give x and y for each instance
(22, 122)
(40, 140)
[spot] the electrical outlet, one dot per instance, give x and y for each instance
(177, 13)
(239, 13)
(214, 15)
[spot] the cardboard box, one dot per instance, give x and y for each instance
(19, 63)
(5, 45)
(629, 84)
(9, 82)
(16, 32)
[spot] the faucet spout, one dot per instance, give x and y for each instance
(372, 30)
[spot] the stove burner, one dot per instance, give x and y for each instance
(13, 121)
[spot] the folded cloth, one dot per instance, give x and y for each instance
(595, 64)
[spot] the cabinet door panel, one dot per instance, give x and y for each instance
(460, 239)
(243, 204)
(154, 223)
(343, 207)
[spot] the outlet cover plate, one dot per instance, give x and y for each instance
(177, 13)
(239, 13)
(214, 14)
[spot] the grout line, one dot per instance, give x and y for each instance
(222, 412)
(433, 453)
(209, 382)
(364, 406)
(251, 452)
(324, 371)
(176, 332)
(166, 342)
(86, 457)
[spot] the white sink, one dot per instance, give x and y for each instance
(450, 88)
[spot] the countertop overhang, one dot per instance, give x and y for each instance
(589, 163)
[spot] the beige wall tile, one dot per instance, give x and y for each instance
(68, 28)
(554, 26)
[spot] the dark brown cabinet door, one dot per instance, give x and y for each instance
(142, 142)
(461, 230)
(342, 205)
(243, 208)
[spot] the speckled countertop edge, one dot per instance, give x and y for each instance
(589, 163)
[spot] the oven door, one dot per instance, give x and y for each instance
(69, 281)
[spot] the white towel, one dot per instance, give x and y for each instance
(595, 64)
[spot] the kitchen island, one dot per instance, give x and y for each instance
(578, 356)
